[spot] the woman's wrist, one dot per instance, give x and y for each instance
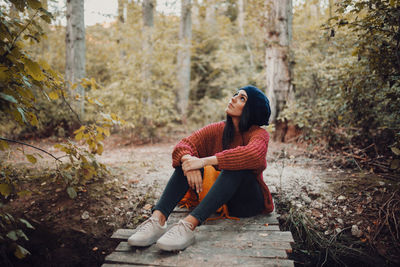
(210, 160)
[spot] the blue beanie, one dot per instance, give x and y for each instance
(258, 105)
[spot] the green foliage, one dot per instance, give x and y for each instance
(347, 75)
(23, 81)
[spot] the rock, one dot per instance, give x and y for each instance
(85, 215)
(306, 199)
(355, 231)
(381, 183)
(341, 197)
(339, 220)
(298, 205)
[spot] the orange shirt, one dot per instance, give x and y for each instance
(247, 152)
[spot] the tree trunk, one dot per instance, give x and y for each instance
(121, 11)
(278, 74)
(148, 23)
(210, 18)
(195, 14)
(75, 48)
(240, 19)
(185, 37)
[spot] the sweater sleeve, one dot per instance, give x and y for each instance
(195, 144)
(249, 157)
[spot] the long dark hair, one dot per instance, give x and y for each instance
(229, 129)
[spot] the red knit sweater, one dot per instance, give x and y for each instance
(247, 152)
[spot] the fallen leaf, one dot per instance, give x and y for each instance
(147, 207)
(95, 248)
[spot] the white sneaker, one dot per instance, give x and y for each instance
(147, 233)
(179, 237)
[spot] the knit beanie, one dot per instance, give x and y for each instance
(258, 105)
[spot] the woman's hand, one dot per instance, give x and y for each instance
(195, 181)
(190, 163)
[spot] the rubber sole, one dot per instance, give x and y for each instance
(169, 247)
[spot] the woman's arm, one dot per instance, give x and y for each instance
(251, 156)
(196, 144)
(193, 163)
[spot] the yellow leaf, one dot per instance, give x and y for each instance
(99, 137)
(79, 136)
(355, 52)
(74, 86)
(106, 131)
(59, 146)
(5, 189)
(392, 3)
(53, 95)
(31, 158)
(3, 145)
(113, 116)
(80, 129)
(93, 82)
(33, 69)
(340, 118)
(99, 149)
(44, 64)
(32, 119)
(90, 100)
(21, 252)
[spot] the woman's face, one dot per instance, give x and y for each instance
(236, 105)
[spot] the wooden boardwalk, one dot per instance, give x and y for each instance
(255, 241)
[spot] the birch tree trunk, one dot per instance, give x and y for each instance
(148, 24)
(185, 37)
(278, 74)
(75, 48)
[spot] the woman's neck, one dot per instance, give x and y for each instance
(235, 121)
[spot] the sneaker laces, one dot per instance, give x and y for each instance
(147, 224)
(180, 228)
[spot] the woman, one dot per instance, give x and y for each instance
(238, 147)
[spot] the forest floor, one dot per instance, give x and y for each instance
(336, 215)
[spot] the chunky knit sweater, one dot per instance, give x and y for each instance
(247, 152)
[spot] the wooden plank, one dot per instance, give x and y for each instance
(273, 245)
(253, 223)
(227, 235)
(126, 233)
(160, 258)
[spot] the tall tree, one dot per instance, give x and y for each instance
(122, 13)
(240, 21)
(75, 47)
(185, 37)
(278, 74)
(148, 24)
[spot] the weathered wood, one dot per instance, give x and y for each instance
(254, 241)
(160, 258)
(125, 233)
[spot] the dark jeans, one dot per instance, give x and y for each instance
(238, 189)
